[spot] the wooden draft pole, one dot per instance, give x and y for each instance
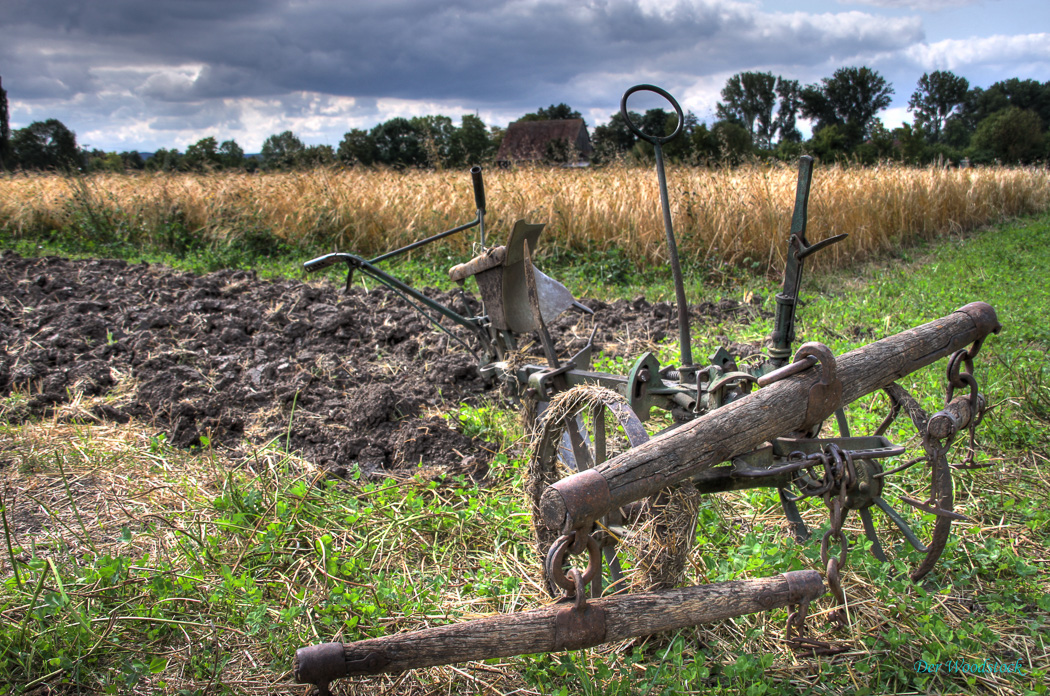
(793, 404)
(555, 627)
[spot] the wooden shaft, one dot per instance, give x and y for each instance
(542, 630)
(953, 418)
(743, 425)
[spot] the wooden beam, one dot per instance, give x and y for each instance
(556, 627)
(744, 425)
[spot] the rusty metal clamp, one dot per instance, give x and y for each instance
(581, 625)
(826, 394)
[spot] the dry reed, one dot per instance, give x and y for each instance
(739, 216)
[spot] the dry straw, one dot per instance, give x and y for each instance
(737, 216)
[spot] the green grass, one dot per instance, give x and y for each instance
(155, 570)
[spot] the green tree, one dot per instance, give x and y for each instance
(732, 140)
(982, 103)
(203, 155)
(703, 145)
(849, 99)
(231, 156)
(164, 160)
(790, 95)
(94, 160)
(133, 160)
(749, 99)
(5, 132)
(437, 137)
(559, 151)
(554, 112)
(1012, 135)
(282, 151)
(766, 105)
(957, 131)
(496, 135)
(935, 100)
(398, 144)
(830, 143)
(473, 141)
(879, 146)
(614, 139)
(659, 122)
(317, 156)
(46, 145)
(912, 141)
(99, 161)
(681, 148)
(358, 147)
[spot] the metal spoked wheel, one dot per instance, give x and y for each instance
(895, 494)
(644, 545)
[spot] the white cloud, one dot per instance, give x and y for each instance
(171, 72)
(895, 116)
(923, 5)
(170, 83)
(952, 54)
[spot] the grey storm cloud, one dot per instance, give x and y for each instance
(475, 51)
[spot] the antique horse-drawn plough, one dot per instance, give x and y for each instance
(604, 490)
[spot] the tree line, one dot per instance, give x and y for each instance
(757, 116)
(759, 112)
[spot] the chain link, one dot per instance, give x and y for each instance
(570, 580)
(957, 378)
(845, 473)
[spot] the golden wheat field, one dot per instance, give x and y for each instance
(721, 216)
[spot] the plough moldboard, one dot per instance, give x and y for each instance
(600, 486)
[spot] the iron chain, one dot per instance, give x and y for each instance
(958, 378)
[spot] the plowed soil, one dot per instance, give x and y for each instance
(344, 380)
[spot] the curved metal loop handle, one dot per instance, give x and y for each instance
(654, 139)
(823, 355)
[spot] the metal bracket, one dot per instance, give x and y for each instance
(544, 381)
(579, 628)
(825, 395)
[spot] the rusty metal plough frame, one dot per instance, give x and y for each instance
(847, 472)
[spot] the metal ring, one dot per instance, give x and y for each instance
(556, 557)
(973, 350)
(835, 580)
(851, 473)
(654, 139)
(965, 379)
(843, 543)
(835, 513)
(955, 377)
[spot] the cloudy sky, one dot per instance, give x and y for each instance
(145, 74)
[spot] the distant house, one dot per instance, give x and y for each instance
(563, 141)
